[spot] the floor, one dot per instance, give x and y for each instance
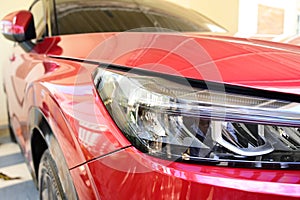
(15, 180)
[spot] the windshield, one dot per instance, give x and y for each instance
(75, 17)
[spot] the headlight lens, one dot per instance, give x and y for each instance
(169, 118)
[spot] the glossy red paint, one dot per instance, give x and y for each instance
(15, 24)
(102, 162)
(250, 63)
(157, 179)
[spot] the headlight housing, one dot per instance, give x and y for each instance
(195, 121)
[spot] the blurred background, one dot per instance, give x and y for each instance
(275, 20)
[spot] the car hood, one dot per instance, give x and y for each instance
(223, 59)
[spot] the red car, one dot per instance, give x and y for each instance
(105, 107)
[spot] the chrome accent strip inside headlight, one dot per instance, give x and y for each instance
(173, 119)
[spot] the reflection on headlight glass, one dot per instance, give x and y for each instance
(174, 120)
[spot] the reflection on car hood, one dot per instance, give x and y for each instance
(245, 62)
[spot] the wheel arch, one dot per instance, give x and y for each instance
(43, 138)
(38, 147)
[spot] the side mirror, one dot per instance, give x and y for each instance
(18, 26)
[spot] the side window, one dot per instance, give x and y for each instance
(38, 11)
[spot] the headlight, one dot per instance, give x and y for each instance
(173, 118)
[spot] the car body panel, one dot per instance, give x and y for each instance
(83, 181)
(61, 86)
(68, 102)
(156, 179)
(53, 84)
(223, 60)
